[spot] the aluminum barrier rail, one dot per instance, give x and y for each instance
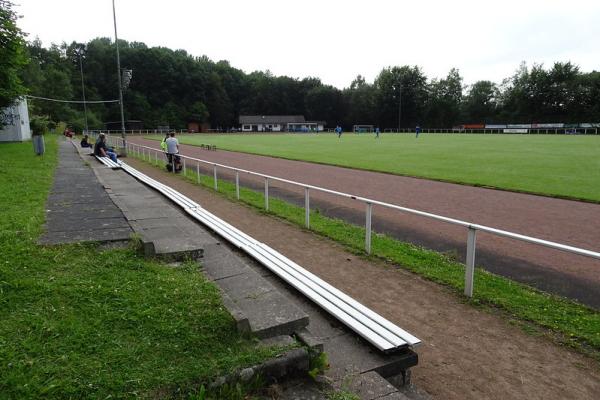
(377, 330)
(472, 228)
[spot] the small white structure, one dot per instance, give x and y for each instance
(279, 123)
(14, 122)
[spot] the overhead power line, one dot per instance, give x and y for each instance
(72, 101)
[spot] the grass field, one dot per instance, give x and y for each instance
(564, 166)
(81, 321)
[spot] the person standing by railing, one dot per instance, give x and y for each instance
(163, 143)
(173, 151)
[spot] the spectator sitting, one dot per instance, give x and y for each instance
(101, 150)
(85, 142)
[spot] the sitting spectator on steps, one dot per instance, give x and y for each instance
(85, 142)
(101, 150)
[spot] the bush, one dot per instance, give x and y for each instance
(39, 125)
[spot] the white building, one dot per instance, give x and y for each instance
(279, 123)
(14, 123)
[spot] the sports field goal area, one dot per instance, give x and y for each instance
(363, 128)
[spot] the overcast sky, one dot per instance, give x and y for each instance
(336, 40)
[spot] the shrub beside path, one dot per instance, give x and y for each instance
(467, 352)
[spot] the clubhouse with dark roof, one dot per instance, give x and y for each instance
(279, 123)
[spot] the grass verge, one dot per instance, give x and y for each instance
(82, 321)
(577, 326)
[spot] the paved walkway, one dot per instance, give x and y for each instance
(467, 353)
(78, 207)
(569, 222)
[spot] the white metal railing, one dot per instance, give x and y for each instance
(472, 228)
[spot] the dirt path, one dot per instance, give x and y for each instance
(569, 222)
(466, 353)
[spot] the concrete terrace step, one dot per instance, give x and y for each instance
(371, 386)
(251, 299)
(164, 230)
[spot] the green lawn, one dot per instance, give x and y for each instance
(81, 321)
(565, 166)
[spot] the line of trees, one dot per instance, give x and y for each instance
(12, 55)
(172, 87)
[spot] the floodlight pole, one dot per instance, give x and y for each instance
(124, 149)
(400, 109)
(83, 91)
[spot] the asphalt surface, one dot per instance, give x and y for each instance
(78, 208)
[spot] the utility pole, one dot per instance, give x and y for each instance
(124, 149)
(83, 90)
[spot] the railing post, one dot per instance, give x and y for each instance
(184, 169)
(266, 193)
(368, 228)
(215, 176)
(198, 171)
(237, 184)
(307, 208)
(470, 264)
